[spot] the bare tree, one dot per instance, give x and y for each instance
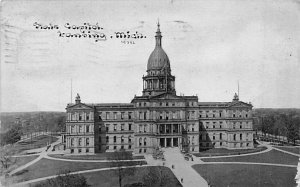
(156, 176)
(65, 179)
(117, 159)
(6, 159)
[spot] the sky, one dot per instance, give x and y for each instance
(212, 46)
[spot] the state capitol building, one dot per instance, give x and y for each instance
(158, 118)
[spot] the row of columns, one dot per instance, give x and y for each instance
(172, 128)
(158, 84)
(172, 141)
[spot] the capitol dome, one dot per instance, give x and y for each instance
(158, 58)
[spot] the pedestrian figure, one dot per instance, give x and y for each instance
(181, 180)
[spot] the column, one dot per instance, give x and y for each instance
(172, 128)
(172, 142)
(165, 142)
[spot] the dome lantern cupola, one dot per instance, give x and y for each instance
(158, 79)
(158, 59)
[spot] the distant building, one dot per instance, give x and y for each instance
(158, 118)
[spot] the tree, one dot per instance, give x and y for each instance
(12, 135)
(156, 176)
(65, 179)
(117, 159)
(6, 159)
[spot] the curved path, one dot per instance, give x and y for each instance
(252, 163)
(72, 160)
(182, 168)
(76, 172)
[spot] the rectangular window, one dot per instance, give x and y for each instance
(115, 127)
(107, 147)
(87, 150)
(107, 127)
(140, 115)
(129, 147)
(87, 128)
(87, 141)
(129, 115)
(122, 115)
(87, 117)
(129, 126)
(107, 115)
(115, 115)
(115, 147)
(79, 150)
(122, 127)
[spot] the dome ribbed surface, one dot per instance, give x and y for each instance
(158, 59)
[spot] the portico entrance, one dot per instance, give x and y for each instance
(168, 142)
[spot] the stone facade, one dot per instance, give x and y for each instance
(158, 118)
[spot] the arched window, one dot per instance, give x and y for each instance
(79, 141)
(234, 137)
(207, 137)
(140, 141)
(122, 139)
(72, 141)
(145, 128)
(115, 139)
(220, 136)
(241, 136)
(129, 139)
(87, 141)
(107, 139)
(145, 141)
(72, 129)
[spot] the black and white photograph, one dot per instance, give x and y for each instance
(167, 93)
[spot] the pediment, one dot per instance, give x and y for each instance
(80, 106)
(239, 104)
(166, 96)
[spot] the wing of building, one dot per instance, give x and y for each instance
(158, 118)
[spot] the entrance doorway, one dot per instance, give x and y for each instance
(169, 142)
(175, 142)
(162, 142)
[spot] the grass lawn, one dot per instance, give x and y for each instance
(290, 149)
(224, 152)
(19, 161)
(37, 142)
(46, 167)
(247, 175)
(97, 156)
(110, 178)
(272, 156)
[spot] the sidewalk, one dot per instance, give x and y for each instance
(183, 168)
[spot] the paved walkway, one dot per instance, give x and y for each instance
(76, 172)
(72, 160)
(183, 169)
(41, 155)
(252, 163)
